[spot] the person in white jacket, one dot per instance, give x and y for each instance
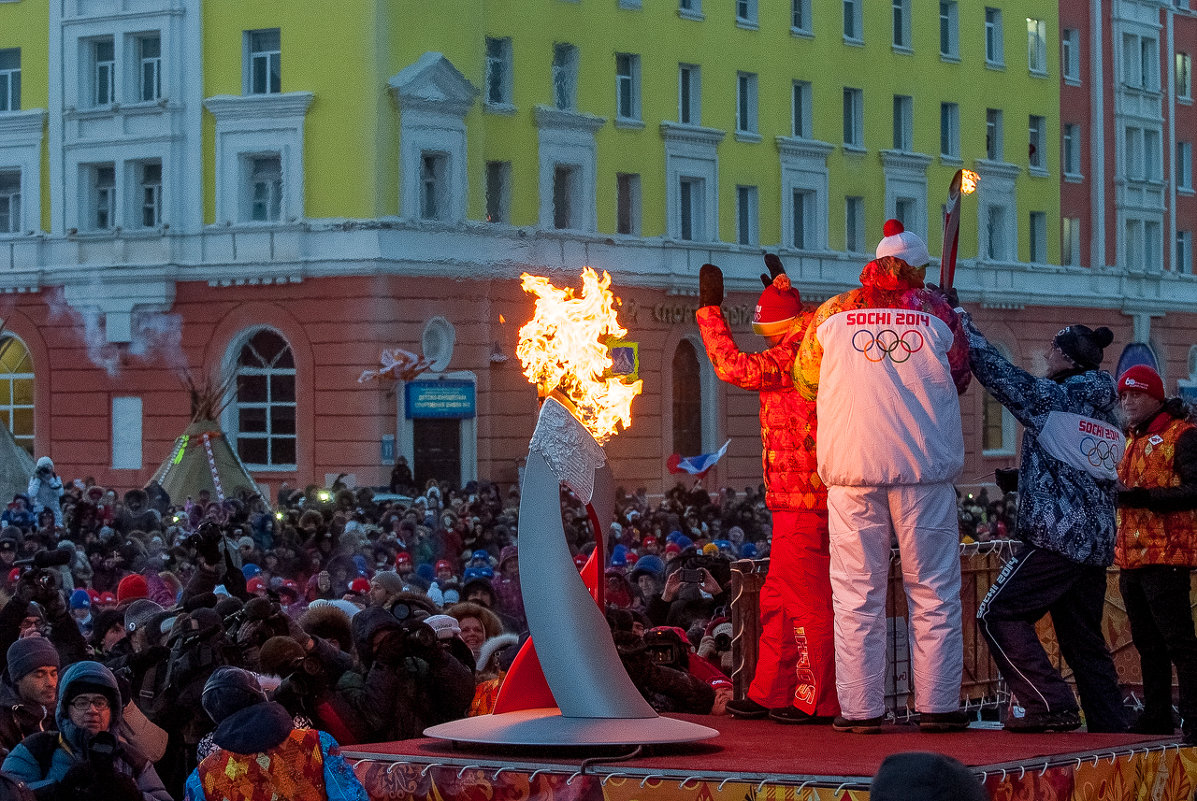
(45, 490)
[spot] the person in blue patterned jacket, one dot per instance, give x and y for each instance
(1067, 484)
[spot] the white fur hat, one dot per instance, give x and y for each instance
(902, 244)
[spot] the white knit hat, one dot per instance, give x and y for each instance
(902, 244)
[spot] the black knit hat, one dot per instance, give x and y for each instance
(228, 690)
(1083, 345)
(925, 776)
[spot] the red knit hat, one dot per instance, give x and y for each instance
(131, 588)
(1142, 378)
(779, 304)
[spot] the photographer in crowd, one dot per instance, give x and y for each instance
(45, 490)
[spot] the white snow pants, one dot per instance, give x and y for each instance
(861, 522)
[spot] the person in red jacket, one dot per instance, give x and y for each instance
(794, 680)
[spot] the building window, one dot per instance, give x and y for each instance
(949, 130)
(1070, 55)
(689, 92)
(800, 109)
(498, 191)
(747, 223)
(10, 79)
(746, 13)
(852, 20)
(995, 229)
(16, 391)
(10, 202)
(1184, 76)
(1141, 62)
(903, 123)
(691, 208)
(566, 205)
(1184, 252)
(1184, 166)
(854, 225)
(949, 29)
(690, 8)
(802, 223)
(1152, 156)
(993, 135)
(1036, 152)
(149, 185)
(1037, 46)
(1038, 237)
(103, 72)
(853, 117)
(433, 169)
(103, 188)
(498, 71)
(265, 188)
(627, 86)
(746, 83)
(800, 15)
(265, 62)
(997, 427)
(687, 400)
(994, 56)
(264, 405)
(1153, 245)
(565, 76)
(1072, 149)
(149, 60)
(902, 24)
(627, 203)
(905, 210)
(1070, 242)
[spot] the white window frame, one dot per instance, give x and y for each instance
(1153, 169)
(691, 208)
(101, 200)
(746, 104)
(690, 9)
(262, 61)
(995, 148)
(1071, 150)
(748, 215)
(800, 109)
(903, 123)
(567, 197)
(498, 75)
(746, 14)
(1070, 56)
(855, 240)
(1070, 241)
(434, 185)
(1184, 77)
(853, 21)
(1037, 144)
(1184, 253)
(148, 195)
(149, 68)
(10, 223)
(231, 418)
(1184, 167)
(1141, 62)
(800, 22)
(1037, 46)
(949, 131)
(565, 76)
(853, 118)
(691, 154)
(803, 220)
(271, 199)
(103, 71)
(627, 87)
(627, 203)
(497, 190)
(10, 81)
(949, 30)
(901, 26)
(9, 381)
(689, 94)
(997, 240)
(995, 55)
(804, 169)
(1037, 237)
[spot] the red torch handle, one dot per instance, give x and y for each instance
(951, 233)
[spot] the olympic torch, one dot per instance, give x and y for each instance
(964, 182)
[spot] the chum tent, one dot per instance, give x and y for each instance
(202, 458)
(16, 466)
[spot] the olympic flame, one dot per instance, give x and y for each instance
(968, 182)
(562, 347)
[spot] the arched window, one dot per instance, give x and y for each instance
(687, 401)
(16, 390)
(264, 405)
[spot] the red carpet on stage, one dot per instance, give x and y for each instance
(766, 761)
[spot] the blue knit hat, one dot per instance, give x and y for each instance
(80, 599)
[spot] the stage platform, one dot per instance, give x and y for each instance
(766, 761)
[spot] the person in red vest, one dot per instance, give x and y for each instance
(1156, 546)
(794, 680)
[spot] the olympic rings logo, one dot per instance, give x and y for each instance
(1099, 452)
(887, 344)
